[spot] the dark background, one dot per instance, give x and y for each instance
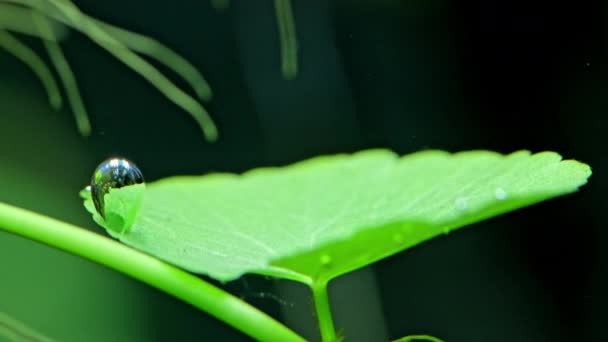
(404, 75)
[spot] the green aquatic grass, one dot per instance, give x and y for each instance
(14, 330)
(122, 44)
(30, 58)
(288, 41)
(48, 20)
(20, 19)
(155, 50)
(318, 219)
(144, 45)
(286, 27)
(65, 74)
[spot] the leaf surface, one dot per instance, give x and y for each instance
(326, 216)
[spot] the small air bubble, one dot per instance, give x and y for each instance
(461, 203)
(500, 194)
(325, 259)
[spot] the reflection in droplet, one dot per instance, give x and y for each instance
(398, 238)
(461, 203)
(111, 174)
(500, 194)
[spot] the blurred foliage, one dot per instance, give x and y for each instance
(44, 18)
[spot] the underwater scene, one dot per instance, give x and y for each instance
(299, 170)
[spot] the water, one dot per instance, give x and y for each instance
(500, 194)
(461, 203)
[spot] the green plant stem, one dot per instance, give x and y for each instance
(323, 310)
(65, 74)
(34, 62)
(13, 330)
(288, 39)
(147, 269)
(70, 15)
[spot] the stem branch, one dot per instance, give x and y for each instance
(321, 298)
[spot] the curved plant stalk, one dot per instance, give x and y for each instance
(288, 40)
(19, 19)
(287, 34)
(323, 310)
(139, 65)
(35, 63)
(70, 15)
(13, 330)
(65, 74)
(152, 48)
(139, 43)
(147, 269)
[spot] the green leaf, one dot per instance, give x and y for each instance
(121, 205)
(326, 216)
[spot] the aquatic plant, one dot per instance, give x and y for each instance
(309, 222)
(49, 20)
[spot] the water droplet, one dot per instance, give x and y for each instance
(461, 203)
(111, 174)
(325, 259)
(500, 194)
(398, 238)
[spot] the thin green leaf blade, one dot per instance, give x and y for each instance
(30, 58)
(14, 330)
(66, 75)
(323, 217)
(118, 43)
(19, 19)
